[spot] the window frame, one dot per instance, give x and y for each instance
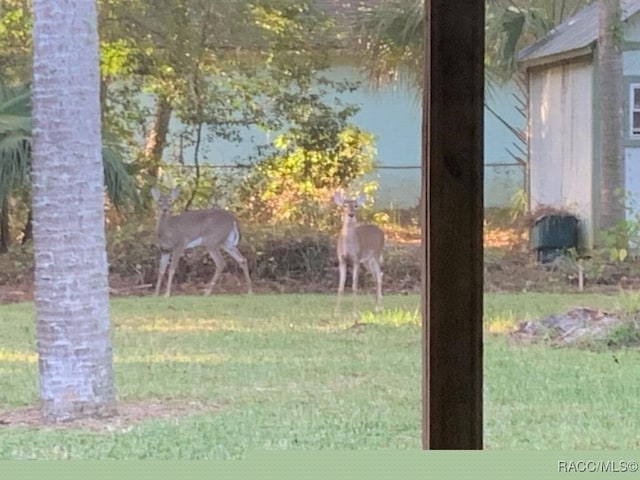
(634, 130)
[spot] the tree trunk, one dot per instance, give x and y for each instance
(4, 226)
(71, 288)
(157, 137)
(612, 176)
(27, 232)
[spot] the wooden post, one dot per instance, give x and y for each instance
(452, 216)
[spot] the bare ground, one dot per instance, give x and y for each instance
(128, 415)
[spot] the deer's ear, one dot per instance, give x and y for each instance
(155, 194)
(361, 200)
(338, 198)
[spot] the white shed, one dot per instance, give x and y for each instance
(562, 75)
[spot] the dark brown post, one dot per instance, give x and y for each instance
(453, 214)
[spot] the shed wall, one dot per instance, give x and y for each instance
(561, 140)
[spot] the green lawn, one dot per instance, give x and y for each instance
(286, 374)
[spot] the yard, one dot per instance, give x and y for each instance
(219, 377)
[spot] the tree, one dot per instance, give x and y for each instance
(512, 25)
(392, 35)
(612, 179)
(15, 132)
(177, 50)
(218, 66)
(71, 294)
(15, 161)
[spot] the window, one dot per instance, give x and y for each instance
(635, 110)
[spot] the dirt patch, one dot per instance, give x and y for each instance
(578, 326)
(129, 414)
(11, 294)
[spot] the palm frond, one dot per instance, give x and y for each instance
(392, 37)
(12, 123)
(14, 165)
(511, 26)
(18, 104)
(15, 138)
(118, 180)
(15, 151)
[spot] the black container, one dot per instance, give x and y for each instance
(551, 235)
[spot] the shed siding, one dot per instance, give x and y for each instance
(561, 125)
(631, 62)
(631, 69)
(632, 29)
(632, 179)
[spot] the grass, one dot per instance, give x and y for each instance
(288, 375)
(537, 397)
(504, 311)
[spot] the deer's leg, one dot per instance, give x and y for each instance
(175, 259)
(376, 271)
(218, 259)
(342, 274)
(242, 261)
(342, 278)
(162, 267)
(355, 275)
(354, 287)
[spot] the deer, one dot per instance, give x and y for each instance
(358, 244)
(215, 229)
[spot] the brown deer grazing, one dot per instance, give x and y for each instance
(358, 244)
(214, 229)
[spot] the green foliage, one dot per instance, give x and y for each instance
(209, 187)
(15, 40)
(519, 205)
(392, 37)
(119, 179)
(15, 151)
(221, 67)
(117, 57)
(615, 241)
(628, 302)
(618, 32)
(311, 161)
(15, 138)
(511, 26)
(625, 335)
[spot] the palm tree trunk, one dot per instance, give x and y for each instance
(612, 175)
(71, 289)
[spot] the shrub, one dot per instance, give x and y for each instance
(284, 259)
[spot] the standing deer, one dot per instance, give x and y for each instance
(215, 229)
(358, 244)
